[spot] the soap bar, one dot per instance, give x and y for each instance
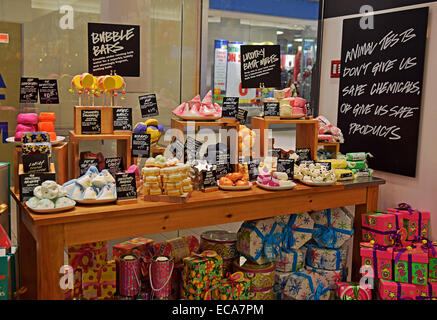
(46, 126)
(343, 174)
(30, 137)
(40, 147)
(362, 172)
(47, 117)
(336, 163)
(27, 118)
(357, 156)
(356, 165)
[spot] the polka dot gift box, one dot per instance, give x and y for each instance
(100, 283)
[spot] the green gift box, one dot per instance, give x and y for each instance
(411, 265)
(236, 287)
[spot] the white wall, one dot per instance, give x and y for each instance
(421, 191)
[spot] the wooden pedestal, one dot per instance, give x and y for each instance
(124, 145)
(61, 151)
(306, 133)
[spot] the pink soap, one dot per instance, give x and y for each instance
(27, 118)
(25, 128)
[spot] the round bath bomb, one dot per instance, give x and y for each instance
(45, 204)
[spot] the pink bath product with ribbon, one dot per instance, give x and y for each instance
(384, 228)
(391, 290)
(379, 258)
(352, 291)
(415, 222)
(129, 269)
(427, 292)
(160, 273)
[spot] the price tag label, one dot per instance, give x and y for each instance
(29, 90)
(126, 186)
(148, 105)
(122, 119)
(91, 121)
(30, 181)
(114, 165)
(85, 164)
(271, 109)
(287, 166)
(141, 145)
(242, 116)
(209, 179)
(230, 107)
(48, 91)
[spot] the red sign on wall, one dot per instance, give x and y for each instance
(335, 69)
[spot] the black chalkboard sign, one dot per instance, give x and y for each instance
(260, 65)
(271, 109)
(141, 145)
(148, 105)
(114, 165)
(122, 118)
(36, 162)
(253, 166)
(29, 90)
(177, 148)
(242, 116)
(222, 162)
(381, 88)
(230, 107)
(113, 47)
(48, 91)
(303, 153)
(30, 181)
(126, 186)
(192, 147)
(306, 162)
(276, 152)
(287, 166)
(85, 164)
(209, 179)
(91, 121)
(327, 165)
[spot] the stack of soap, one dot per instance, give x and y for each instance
(26, 122)
(47, 123)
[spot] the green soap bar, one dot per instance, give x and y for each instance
(356, 156)
(362, 172)
(356, 165)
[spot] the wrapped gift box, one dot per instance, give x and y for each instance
(222, 242)
(290, 261)
(260, 240)
(298, 230)
(332, 227)
(302, 285)
(327, 259)
(88, 255)
(427, 292)
(77, 290)
(266, 294)
(411, 266)
(383, 227)
(100, 283)
(178, 248)
(391, 290)
(352, 291)
(262, 277)
(379, 258)
(331, 276)
(200, 273)
(432, 261)
(281, 279)
(138, 246)
(415, 222)
(235, 287)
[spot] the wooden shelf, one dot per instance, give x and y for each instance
(333, 147)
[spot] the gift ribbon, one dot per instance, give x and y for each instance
(406, 206)
(410, 263)
(327, 233)
(315, 294)
(271, 242)
(78, 259)
(375, 248)
(322, 259)
(288, 235)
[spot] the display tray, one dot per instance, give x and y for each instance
(294, 116)
(54, 210)
(235, 188)
(96, 201)
(165, 198)
(59, 139)
(198, 118)
(317, 184)
(275, 188)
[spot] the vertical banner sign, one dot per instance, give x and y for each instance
(230, 107)
(260, 64)
(48, 91)
(148, 105)
(29, 90)
(381, 88)
(113, 47)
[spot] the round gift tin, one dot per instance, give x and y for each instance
(222, 242)
(129, 275)
(261, 276)
(161, 271)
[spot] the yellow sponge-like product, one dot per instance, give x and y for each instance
(336, 163)
(343, 174)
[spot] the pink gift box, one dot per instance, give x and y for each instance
(415, 222)
(427, 292)
(390, 290)
(352, 291)
(379, 258)
(382, 227)
(138, 246)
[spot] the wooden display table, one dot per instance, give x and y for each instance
(306, 133)
(42, 237)
(123, 148)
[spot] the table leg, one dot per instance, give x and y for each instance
(50, 258)
(27, 259)
(74, 170)
(63, 164)
(370, 206)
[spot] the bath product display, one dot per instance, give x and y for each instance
(314, 174)
(152, 127)
(273, 180)
(304, 285)
(50, 197)
(222, 242)
(197, 109)
(328, 132)
(26, 122)
(327, 259)
(47, 123)
(344, 174)
(379, 258)
(234, 181)
(246, 140)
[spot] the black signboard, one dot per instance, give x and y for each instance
(91, 121)
(276, 152)
(85, 164)
(48, 91)
(242, 116)
(306, 162)
(287, 166)
(148, 105)
(380, 95)
(209, 179)
(141, 145)
(29, 90)
(222, 163)
(177, 148)
(114, 165)
(113, 47)
(327, 165)
(271, 109)
(253, 168)
(260, 65)
(122, 118)
(30, 181)
(126, 186)
(303, 153)
(36, 162)
(230, 107)
(192, 146)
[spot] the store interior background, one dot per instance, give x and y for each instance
(177, 42)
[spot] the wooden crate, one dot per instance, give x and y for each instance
(333, 147)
